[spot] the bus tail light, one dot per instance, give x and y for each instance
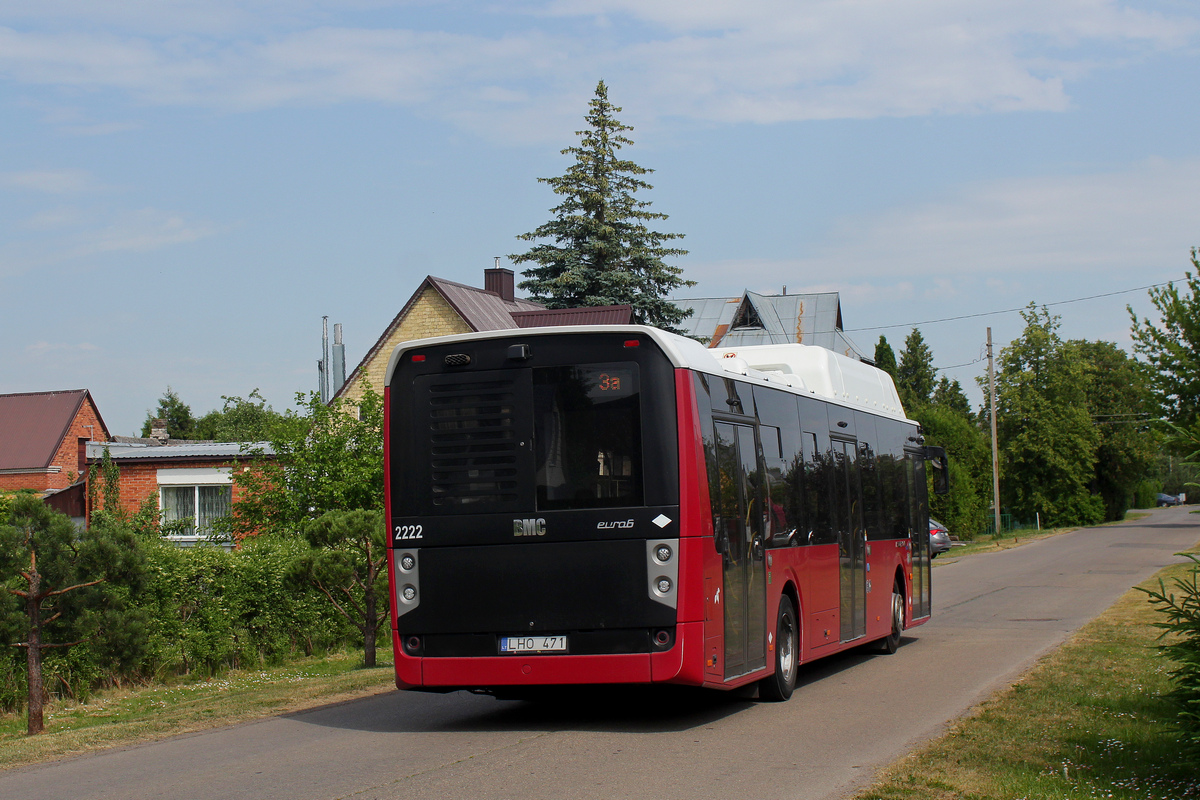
(662, 571)
(408, 580)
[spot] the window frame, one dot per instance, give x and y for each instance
(193, 478)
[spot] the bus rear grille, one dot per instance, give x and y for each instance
(473, 445)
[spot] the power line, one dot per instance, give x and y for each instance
(1006, 311)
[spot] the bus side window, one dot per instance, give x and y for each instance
(775, 466)
(816, 482)
(869, 471)
(779, 418)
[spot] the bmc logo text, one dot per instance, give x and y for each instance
(529, 527)
(628, 523)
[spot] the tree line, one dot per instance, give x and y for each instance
(1085, 430)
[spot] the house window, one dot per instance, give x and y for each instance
(192, 500)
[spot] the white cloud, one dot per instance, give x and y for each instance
(1047, 238)
(62, 181)
(73, 235)
(759, 62)
(1128, 220)
(141, 231)
(43, 349)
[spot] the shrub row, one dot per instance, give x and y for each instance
(197, 610)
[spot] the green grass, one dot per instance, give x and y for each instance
(1089, 721)
(128, 716)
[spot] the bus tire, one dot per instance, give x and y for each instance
(890, 643)
(779, 686)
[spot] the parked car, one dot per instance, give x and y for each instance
(939, 538)
(1167, 500)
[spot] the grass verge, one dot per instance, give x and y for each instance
(130, 716)
(1088, 721)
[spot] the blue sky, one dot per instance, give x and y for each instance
(186, 188)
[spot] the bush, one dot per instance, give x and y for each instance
(1182, 630)
(1145, 494)
(216, 608)
(199, 610)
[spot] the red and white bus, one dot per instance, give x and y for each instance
(616, 504)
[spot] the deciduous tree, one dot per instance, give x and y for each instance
(598, 249)
(326, 458)
(347, 565)
(1172, 348)
(1047, 440)
(1118, 400)
(964, 508)
(240, 419)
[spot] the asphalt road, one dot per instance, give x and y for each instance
(994, 615)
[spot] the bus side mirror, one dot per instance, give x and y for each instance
(936, 456)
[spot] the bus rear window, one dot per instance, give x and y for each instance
(588, 438)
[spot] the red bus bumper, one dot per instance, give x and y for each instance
(671, 665)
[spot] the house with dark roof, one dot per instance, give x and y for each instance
(755, 318)
(441, 308)
(43, 438)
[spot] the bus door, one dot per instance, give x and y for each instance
(852, 540)
(918, 525)
(740, 540)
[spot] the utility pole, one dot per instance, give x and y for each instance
(995, 456)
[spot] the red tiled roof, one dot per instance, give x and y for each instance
(32, 426)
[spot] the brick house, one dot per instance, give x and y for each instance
(43, 438)
(441, 308)
(192, 482)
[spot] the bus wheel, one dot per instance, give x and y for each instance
(890, 643)
(787, 655)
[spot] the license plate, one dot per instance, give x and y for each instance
(532, 644)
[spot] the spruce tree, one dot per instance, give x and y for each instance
(915, 375)
(178, 414)
(598, 249)
(949, 394)
(885, 357)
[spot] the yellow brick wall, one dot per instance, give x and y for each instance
(429, 316)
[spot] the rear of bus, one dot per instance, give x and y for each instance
(533, 491)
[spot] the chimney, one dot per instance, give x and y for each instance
(158, 430)
(500, 280)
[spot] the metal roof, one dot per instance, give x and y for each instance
(595, 315)
(33, 424)
(191, 451)
(479, 308)
(759, 319)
